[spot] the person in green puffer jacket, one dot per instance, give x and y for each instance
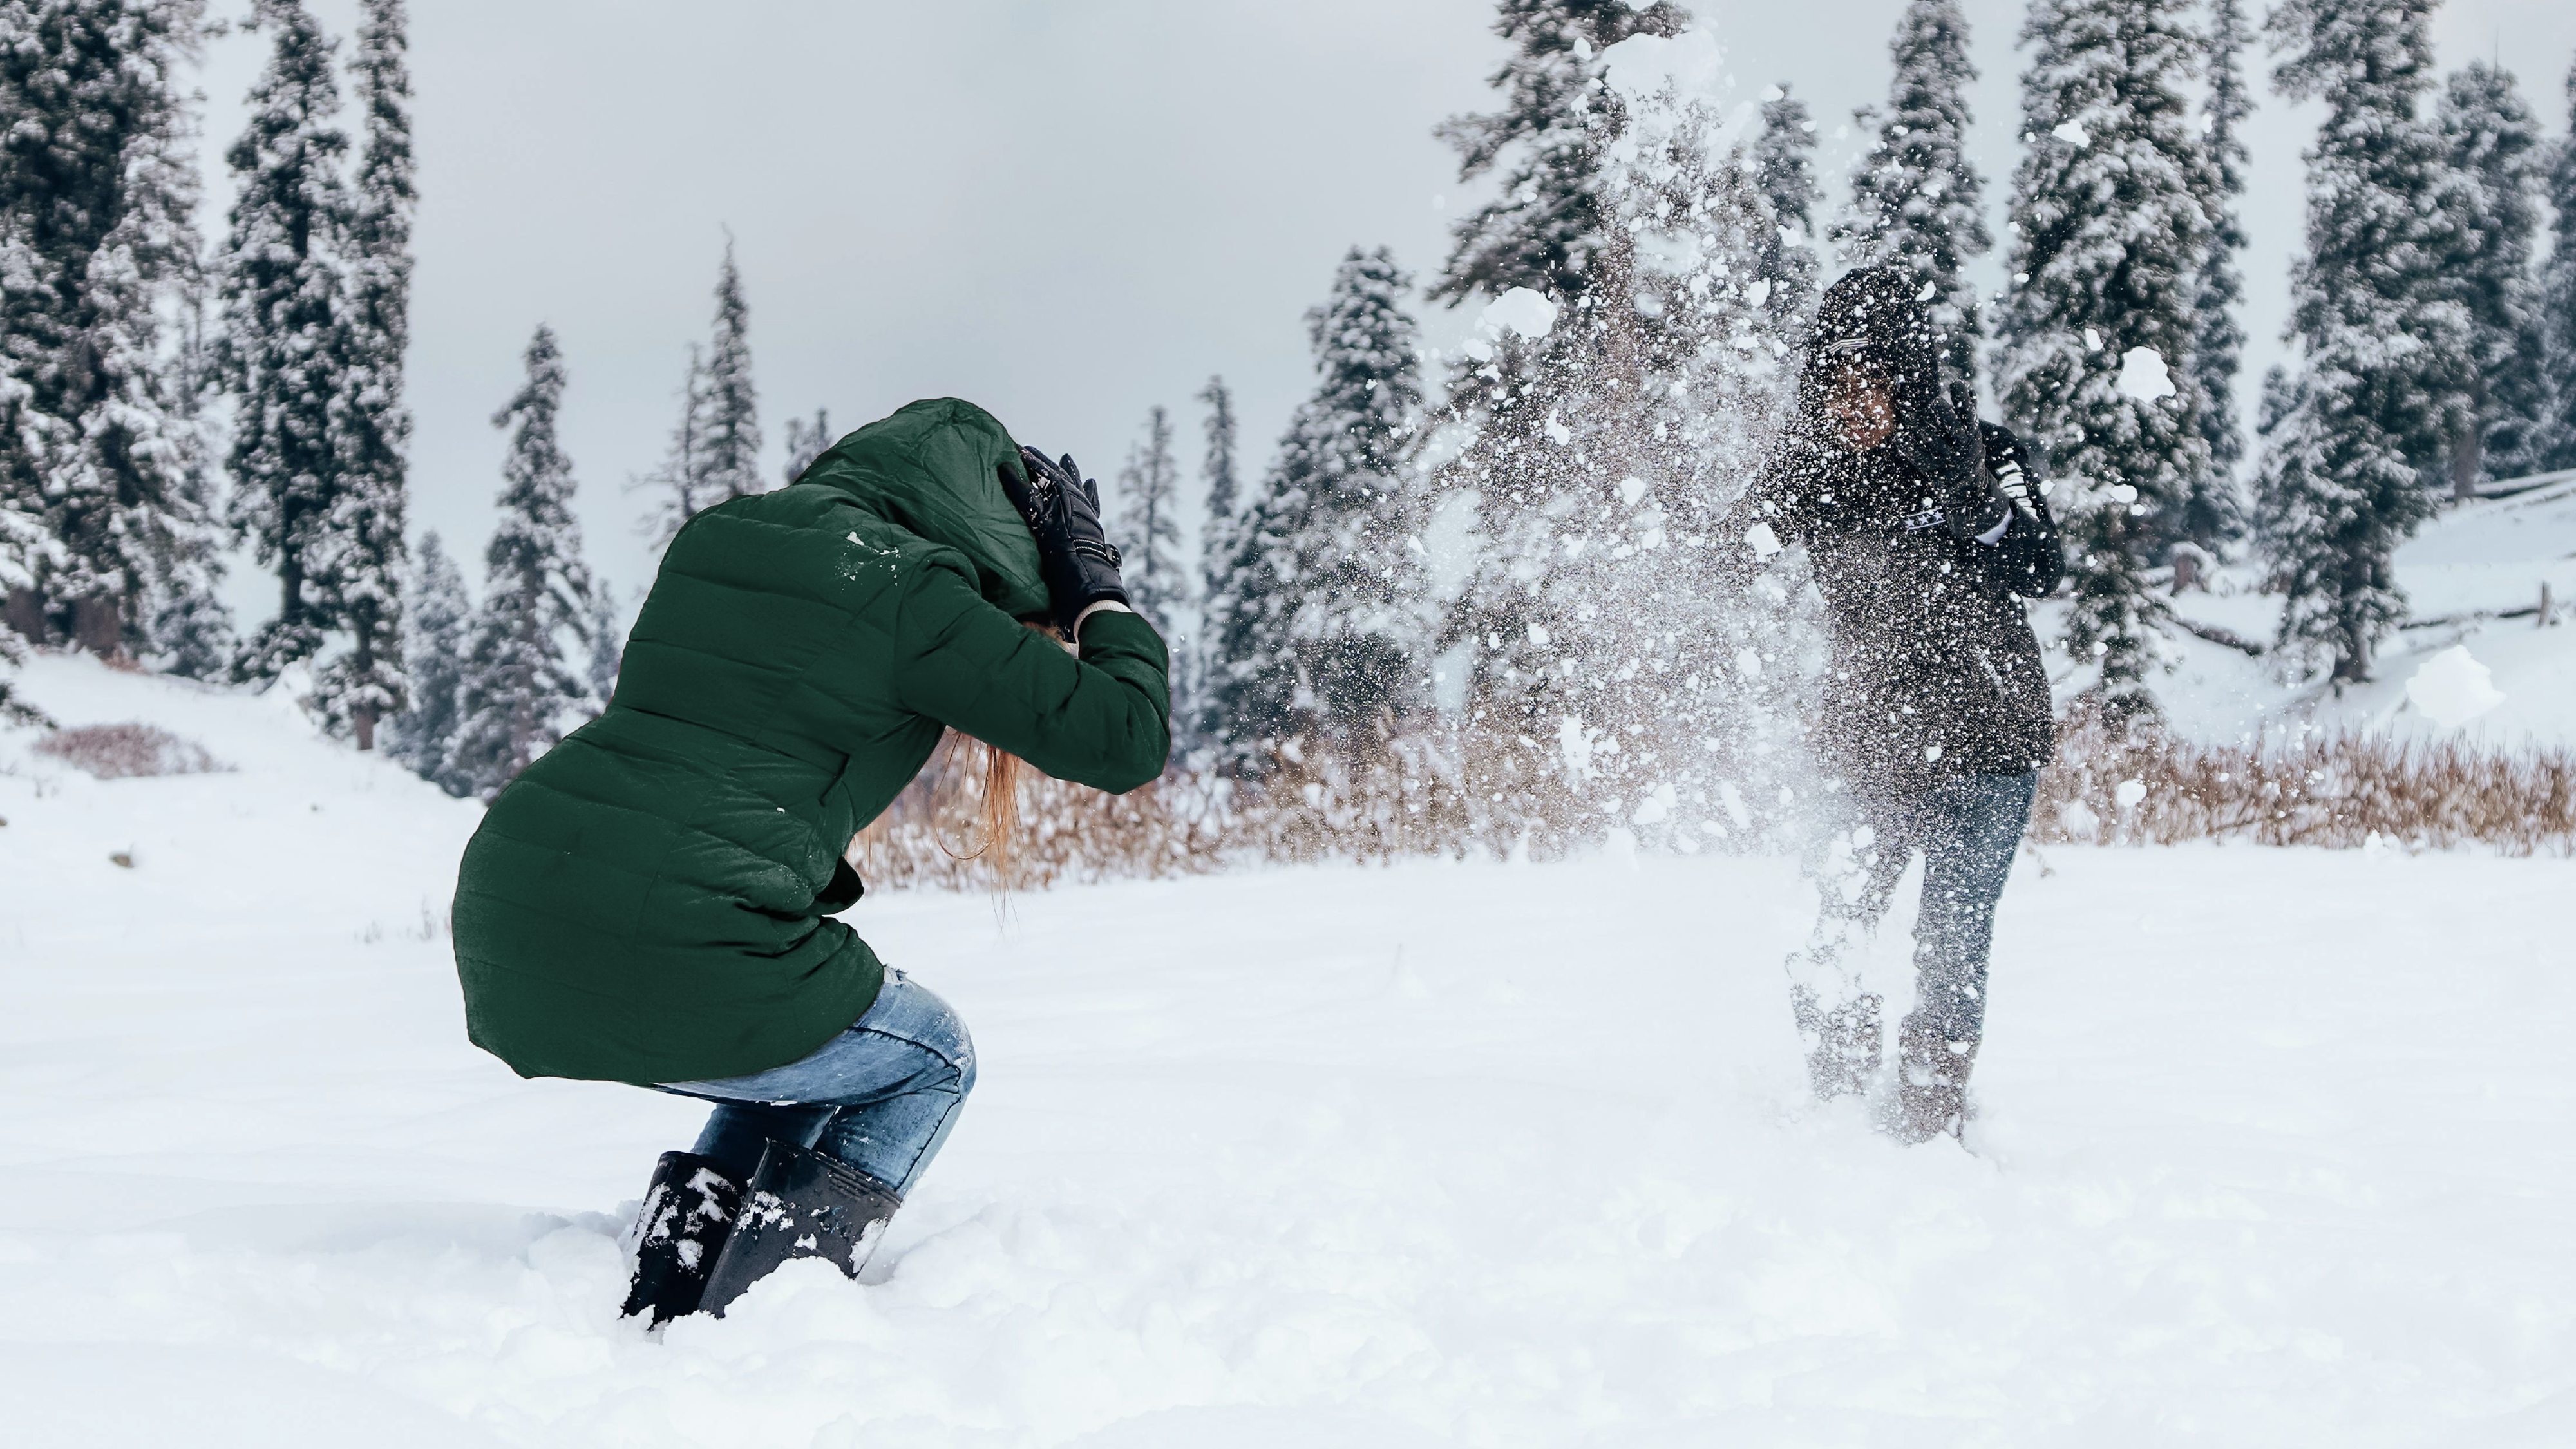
(651, 901)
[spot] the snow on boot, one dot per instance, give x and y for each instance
(802, 1204)
(688, 1212)
(1842, 1044)
(1931, 1084)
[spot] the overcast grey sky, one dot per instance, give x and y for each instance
(1065, 211)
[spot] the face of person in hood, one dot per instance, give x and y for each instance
(1860, 408)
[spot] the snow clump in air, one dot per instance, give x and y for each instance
(2143, 375)
(1519, 310)
(2453, 688)
(2073, 134)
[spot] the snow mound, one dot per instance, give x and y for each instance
(2453, 688)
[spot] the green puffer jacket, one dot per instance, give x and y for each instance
(648, 902)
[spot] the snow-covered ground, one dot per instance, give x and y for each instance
(2276, 1148)
(2467, 568)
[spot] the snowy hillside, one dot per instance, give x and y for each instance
(2474, 576)
(2276, 1148)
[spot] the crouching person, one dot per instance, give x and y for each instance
(1925, 531)
(651, 901)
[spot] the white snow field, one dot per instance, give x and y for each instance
(2277, 1148)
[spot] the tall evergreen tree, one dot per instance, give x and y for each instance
(2379, 349)
(680, 483)
(1321, 636)
(2492, 147)
(283, 351)
(2555, 441)
(1149, 524)
(522, 680)
(1784, 162)
(2213, 511)
(807, 442)
(2109, 238)
(1917, 200)
(1544, 230)
(357, 560)
(101, 458)
(436, 616)
(1220, 538)
(730, 439)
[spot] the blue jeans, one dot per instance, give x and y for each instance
(881, 1096)
(1968, 829)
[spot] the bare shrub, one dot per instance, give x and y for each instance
(2301, 786)
(126, 751)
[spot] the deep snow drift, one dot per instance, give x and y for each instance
(2276, 1149)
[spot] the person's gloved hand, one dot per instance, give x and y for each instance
(1938, 435)
(1063, 511)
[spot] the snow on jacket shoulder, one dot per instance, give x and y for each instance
(649, 901)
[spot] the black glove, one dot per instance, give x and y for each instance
(1938, 435)
(1063, 511)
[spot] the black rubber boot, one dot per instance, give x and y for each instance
(802, 1204)
(688, 1213)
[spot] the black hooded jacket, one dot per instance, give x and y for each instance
(1935, 671)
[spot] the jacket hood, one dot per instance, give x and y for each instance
(934, 468)
(1870, 316)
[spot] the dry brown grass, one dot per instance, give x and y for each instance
(2306, 787)
(126, 751)
(1427, 797)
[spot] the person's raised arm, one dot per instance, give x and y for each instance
(1102, 720)
(2026, 556)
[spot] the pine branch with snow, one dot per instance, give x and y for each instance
(2212, 512)
(729, 443)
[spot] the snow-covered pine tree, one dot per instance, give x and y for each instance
(102, 461)
(1217, 473)
(1544, 229)
(1322, 636)
(2556, 443)
(436, 615)
(1220, 539)
(680, 483)
(1149, 525)
(1784, 163)
(2108, 239)
(729, 442)
(282, 352)
(1917, 199)
(522, 682)
(607, 643)
(358, 553)
(2212, 512)
(2379, 347)
(2493, 149)
(806, 442)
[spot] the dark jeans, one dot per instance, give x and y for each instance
(881, 1096)
(1968, 830)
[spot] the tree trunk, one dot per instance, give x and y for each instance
(26, 614)
(362, 723)
(98, 625)
(2467, 458)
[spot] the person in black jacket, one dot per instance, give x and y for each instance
(1925, 529)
